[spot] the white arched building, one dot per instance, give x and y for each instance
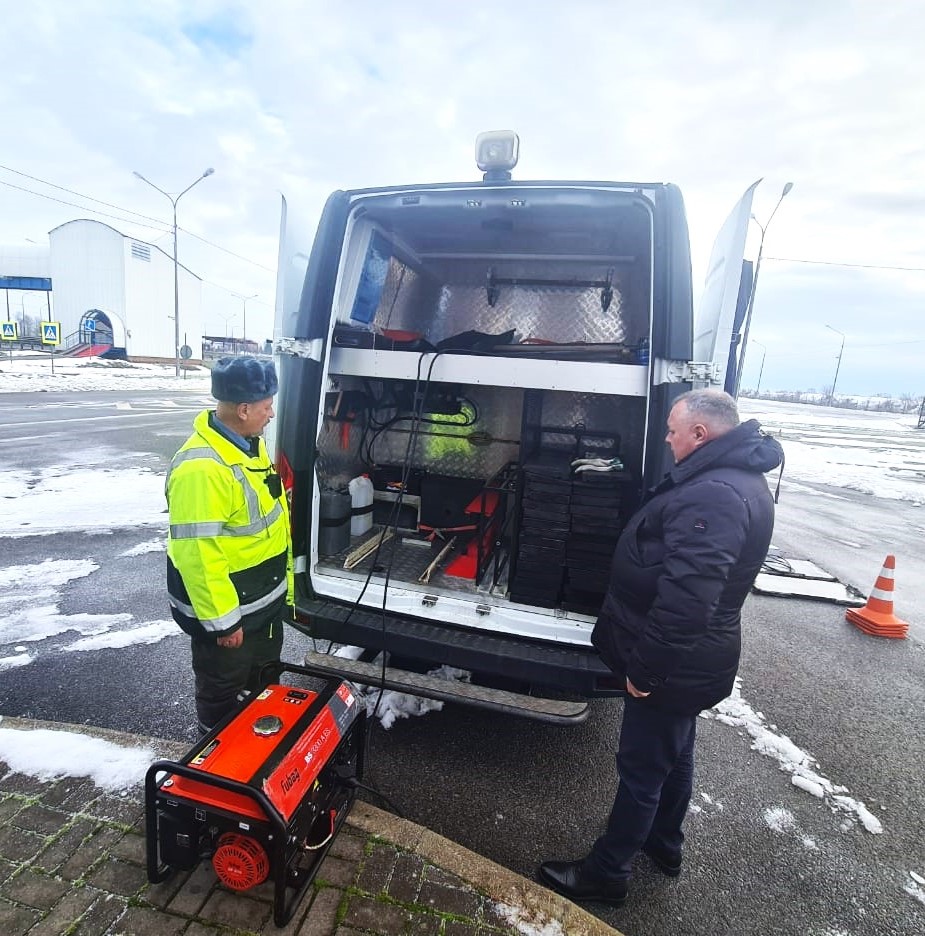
(104, 282)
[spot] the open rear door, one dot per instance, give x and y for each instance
(715, 318)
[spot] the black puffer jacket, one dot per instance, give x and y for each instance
(683, 568)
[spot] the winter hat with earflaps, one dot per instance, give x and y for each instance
(243, 380)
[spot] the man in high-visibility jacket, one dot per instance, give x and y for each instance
(229, 552)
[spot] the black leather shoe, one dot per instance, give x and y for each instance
(667, 861)
(566, 878)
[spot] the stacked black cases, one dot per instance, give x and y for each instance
(544, 528)
(597, 503)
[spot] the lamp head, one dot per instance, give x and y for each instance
(210, 170)
(496, 153)
(787, 188)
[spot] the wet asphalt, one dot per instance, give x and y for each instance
(519, 792)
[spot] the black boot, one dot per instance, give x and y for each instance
(666, 860)
(569, 879)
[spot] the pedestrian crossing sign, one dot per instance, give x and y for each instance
(10, 331)
(51, 333)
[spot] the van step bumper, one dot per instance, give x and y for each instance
(546, 668)
(552, 711)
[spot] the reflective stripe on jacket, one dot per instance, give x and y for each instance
(228, 547)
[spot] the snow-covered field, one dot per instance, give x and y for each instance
(873, 453)
(27, 372)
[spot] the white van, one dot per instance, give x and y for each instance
(499, 359)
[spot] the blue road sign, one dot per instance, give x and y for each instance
(10, 331)
(90, 325)
(51, 333)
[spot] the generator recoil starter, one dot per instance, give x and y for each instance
(263, 794)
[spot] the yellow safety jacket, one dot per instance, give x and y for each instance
(229, 552)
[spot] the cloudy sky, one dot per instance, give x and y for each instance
(306, 97)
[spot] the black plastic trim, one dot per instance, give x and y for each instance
(563, 668)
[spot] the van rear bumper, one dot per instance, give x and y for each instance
(563, 668)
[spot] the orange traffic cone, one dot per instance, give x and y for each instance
(876, 617)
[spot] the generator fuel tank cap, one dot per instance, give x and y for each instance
(268, 725)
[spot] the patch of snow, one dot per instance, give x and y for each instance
(149, 633)
(779, 819)
(58, 499)
(52, 755)
(155, 545)
(10, 662)
(49, 573)
(798, 763)
(34, 624)
(30, 373)
(916, 891)
(811, 787)
(530, 923)
(388, 705)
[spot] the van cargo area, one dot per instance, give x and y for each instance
(498, 359)
(488, 369)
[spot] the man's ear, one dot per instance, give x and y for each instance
(700, 433)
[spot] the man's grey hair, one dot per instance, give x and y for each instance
(716, 408)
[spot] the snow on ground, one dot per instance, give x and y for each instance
(529, 922)
(40, 753)
(388, 705)
(29, 614)
(872, 453)
(801, 766)
(26, 372)
(98, 499)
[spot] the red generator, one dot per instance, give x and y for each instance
(263, 794)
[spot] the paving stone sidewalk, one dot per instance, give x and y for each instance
(72, 861)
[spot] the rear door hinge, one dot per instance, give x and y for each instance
(300, 347)
(699, 373)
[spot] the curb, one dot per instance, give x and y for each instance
(536, 905)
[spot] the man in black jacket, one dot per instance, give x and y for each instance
(670, 626)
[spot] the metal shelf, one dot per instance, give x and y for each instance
(495, 371)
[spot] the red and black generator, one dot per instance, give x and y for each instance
(263, 794)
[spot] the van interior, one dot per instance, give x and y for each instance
(488, 369)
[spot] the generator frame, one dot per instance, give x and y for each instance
(286, 870)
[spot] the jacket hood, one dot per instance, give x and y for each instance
(745, 447)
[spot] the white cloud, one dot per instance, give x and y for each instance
(313, 98)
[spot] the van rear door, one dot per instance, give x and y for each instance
(304, 293)
(715, 318)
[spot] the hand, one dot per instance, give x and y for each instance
(233, 640)
(633, 691)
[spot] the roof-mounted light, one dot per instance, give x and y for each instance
(496, 153)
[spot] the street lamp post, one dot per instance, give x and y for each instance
(751, 295)
(764, 353)
(176, 266)
(229, 329)
(838, 362)
(244, 319)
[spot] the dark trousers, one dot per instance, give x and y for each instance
(655, 760)
(223, 672)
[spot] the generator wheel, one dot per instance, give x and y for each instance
(240, 862)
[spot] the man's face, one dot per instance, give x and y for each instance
(255, 416)
(684, 433)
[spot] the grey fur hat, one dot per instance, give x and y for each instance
(243, 380)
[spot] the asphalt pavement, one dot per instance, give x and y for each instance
(762, 856)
